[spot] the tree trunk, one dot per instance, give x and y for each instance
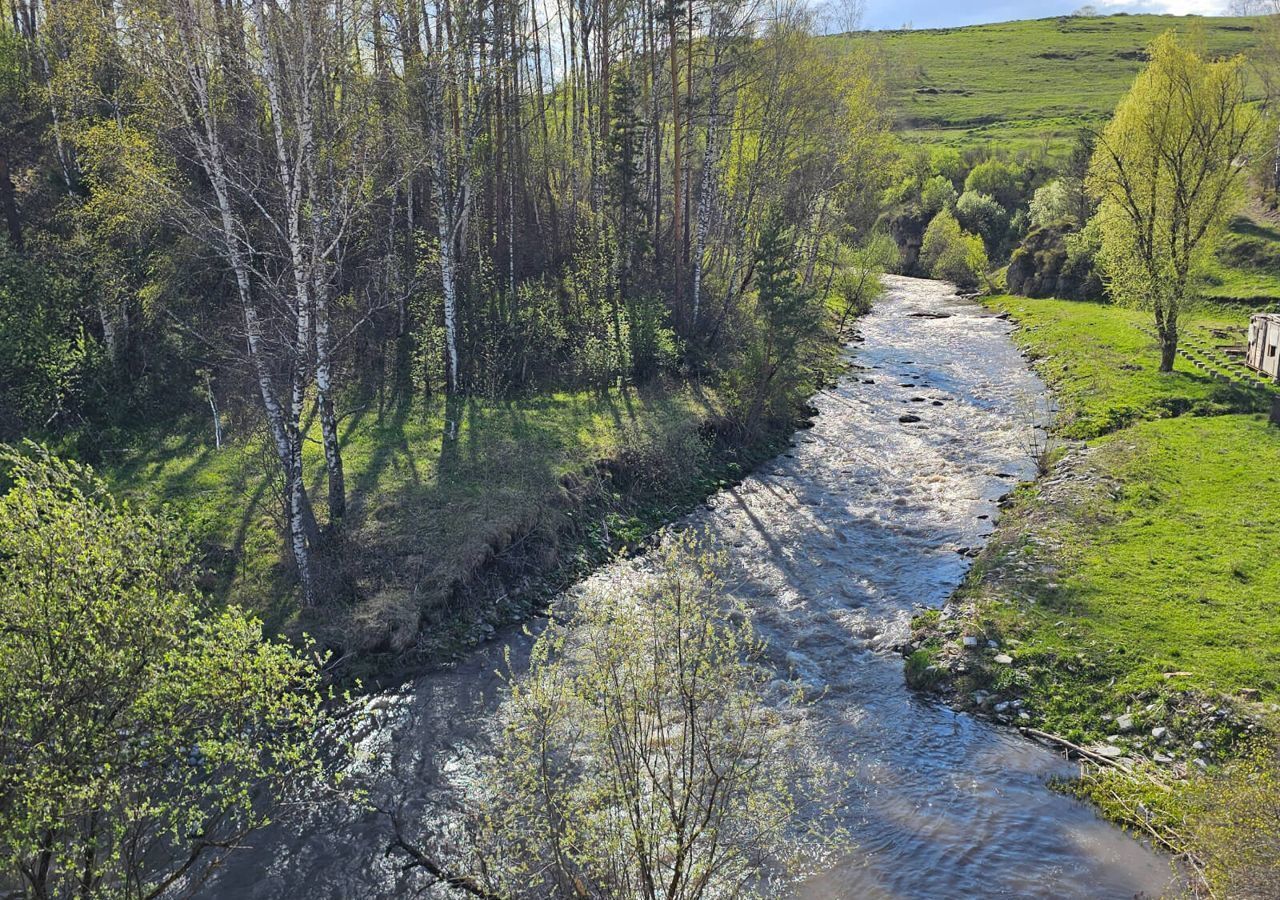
(9, 205)
(708, 185)
(328, 419)
(448, 282)
(1168, 351)
(677, 228)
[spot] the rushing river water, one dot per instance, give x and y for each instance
(833, 545)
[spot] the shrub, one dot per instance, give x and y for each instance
(141, 739)
(640, 750)
(42, 349)
(1236, 828)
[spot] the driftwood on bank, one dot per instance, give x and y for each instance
(1077, 750)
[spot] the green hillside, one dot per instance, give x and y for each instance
(1022, 83)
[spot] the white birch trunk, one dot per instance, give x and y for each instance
(707, 189)
(204, 136)
(292, 175)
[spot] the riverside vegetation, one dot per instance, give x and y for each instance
(1125, 605)
(409, 313)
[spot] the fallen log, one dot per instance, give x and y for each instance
(1077, 749)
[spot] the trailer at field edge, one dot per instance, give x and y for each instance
(1263, 351)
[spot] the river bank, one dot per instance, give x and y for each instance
(832, 546)
(1126, 601)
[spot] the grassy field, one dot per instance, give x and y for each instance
(1139, 578)
(1246, 268)
(1129, 600)
(428, 514)
(1103, 366)
(1029, 83)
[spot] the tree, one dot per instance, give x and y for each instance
(937, 193)
(858, 286)
(983, 216)
(639, 756)
(1167, 174)
(1267, 63)
(949, 163)
(1051, 204)
(952, 254)
(786, 314)
(141, 737)
(996, 178)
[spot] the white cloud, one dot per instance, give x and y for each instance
(1170, 7)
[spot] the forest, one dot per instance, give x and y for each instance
(345, 341)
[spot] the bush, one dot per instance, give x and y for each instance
(141, 739)
(42, 347)
(1236, 828)
(983, 216)
(640, 749)
(951, 254)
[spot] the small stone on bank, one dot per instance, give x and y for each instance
(1004, 659)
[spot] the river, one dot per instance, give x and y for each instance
(833, 545)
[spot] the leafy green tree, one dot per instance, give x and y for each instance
(937, 194)
(949, 163)
(997, 178)
(983, 216)
(859, 284)
(140, 740)
(1167, 174)
(1051, 204)
(952, 254)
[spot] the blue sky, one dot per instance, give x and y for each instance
(943, 13)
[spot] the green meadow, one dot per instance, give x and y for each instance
(1030, 83)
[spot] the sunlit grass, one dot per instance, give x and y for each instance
(1028, 84)
(416, 499)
